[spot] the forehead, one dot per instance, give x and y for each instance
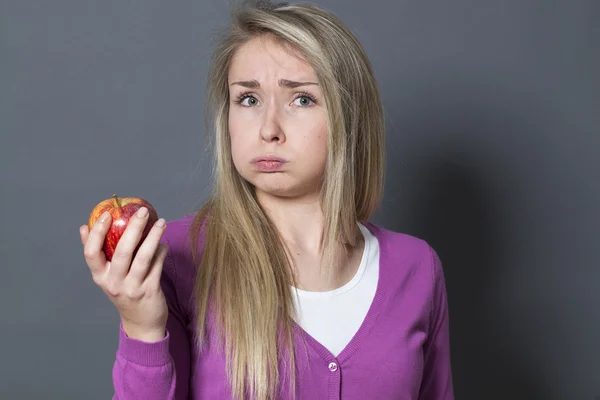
(263, 58)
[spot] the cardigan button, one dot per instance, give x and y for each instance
(333, 367)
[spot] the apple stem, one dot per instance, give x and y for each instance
(117, 202)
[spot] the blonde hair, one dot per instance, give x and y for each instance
(244, 274)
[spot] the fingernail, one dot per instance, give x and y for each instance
(160, 223)
(104, 216)
(142, 212)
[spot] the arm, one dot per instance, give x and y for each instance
(437, 375)
(156, 370)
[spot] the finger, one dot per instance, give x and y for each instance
(152, 280)
(146, 254)
(83, 233)
(94, 240)
(127, 244)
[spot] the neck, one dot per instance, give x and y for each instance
(300, 223)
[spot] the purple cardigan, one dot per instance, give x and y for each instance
(400, 352)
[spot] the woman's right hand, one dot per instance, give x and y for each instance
(131, 284)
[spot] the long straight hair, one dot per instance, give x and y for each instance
(244, 274)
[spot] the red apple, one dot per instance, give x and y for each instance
(121, 211)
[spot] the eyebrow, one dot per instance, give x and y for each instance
(253, 84)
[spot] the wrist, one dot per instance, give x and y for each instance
(144, 334)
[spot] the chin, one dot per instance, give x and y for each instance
(287, 192)
(277, 191)
(275, 187)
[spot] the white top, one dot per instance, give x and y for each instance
(333, 317)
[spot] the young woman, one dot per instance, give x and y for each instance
(279, 287)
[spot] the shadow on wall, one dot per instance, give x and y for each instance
(456, 217)
(448, 200)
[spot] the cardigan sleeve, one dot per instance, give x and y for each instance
(436, 383)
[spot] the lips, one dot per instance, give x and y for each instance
(268, 163)
(268, 159)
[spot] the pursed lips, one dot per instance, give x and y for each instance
(268, 158)
(268, 163)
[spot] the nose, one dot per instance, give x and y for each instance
(271, 130)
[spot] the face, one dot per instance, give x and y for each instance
(277, 124)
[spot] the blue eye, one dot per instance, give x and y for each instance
(304, 100)
(252, 101)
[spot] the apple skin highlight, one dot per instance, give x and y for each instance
(121, 210)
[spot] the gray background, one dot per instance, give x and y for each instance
(493, 118)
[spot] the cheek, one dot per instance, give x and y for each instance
(319, 143)
(236, 137)
(238, 155)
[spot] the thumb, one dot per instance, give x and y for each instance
(83, 234)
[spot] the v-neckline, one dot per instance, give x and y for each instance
(368, 322)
